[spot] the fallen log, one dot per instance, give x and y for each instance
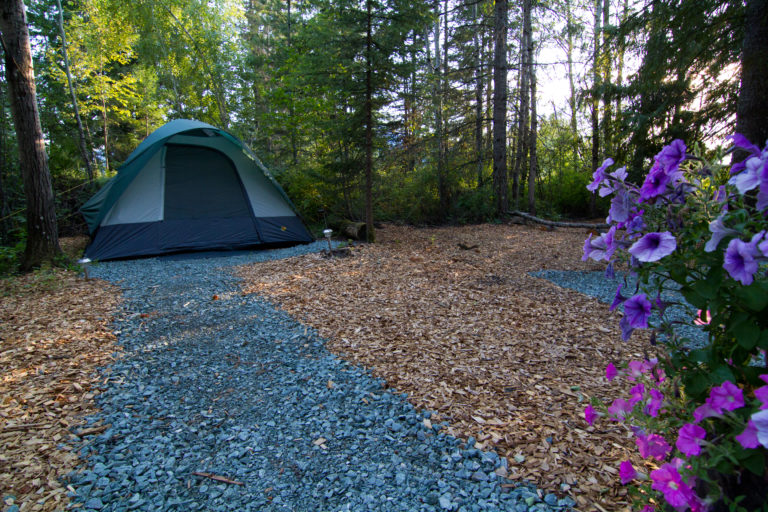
(353, 230)
(554, 223)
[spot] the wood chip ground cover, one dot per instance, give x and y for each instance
(54, 333)
(504, 357)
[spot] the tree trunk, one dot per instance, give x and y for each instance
(752, 110)
(42, 235)
(369, 234)
(595, 103)
(500, 106)
(534, 166)
(84, 152)
(523, 138)
(572, 98)
(606, 81)
(438, 106)
(5, 207)
(478, 97)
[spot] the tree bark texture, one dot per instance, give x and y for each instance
(42, 235)
(500, 106)
(752, 110)
(84, 151)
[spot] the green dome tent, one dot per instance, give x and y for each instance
(189, 186)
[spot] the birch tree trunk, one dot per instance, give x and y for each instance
(500, 106)
(42, 235)
(534, 162)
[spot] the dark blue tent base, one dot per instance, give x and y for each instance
(123, 241)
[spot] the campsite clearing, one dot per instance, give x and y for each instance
(502, 356)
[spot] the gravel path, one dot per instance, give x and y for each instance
(224, 385)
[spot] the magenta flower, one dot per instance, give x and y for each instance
(589, 414)
(764, 378)
(648, 508)
(637, 310)
(627, 472)
(652, 445)
(726, 397)
(689, 439)
(654, 403)
(704, 411)
(653, 246)
(620, 408)
(760, 422)
(637, 393)
(748, 438)
(668, 481)
(703, 317)
(611, 372)
(638, 368)
(761, 394)
(740, 261)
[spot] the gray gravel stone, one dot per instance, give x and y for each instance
(223, 404)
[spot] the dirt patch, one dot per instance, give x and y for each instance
(53, 335)
(451, 316)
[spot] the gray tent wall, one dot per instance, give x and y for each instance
(199, 190)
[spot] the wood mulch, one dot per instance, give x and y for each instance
(451, 316)
(54, 333)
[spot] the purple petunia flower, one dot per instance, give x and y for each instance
(652, 445)
(671, 156)
(611, 372)
(740, 261)
(655, 183)
(760, 421)
(599, 175)
(635, 223)
(761, 394)
(589, 414)
(748, 438)
(637, 393)
(689, 439)
(726, 397)
(627, 472)
(626, 329)
(704, 411)
(654, 403)
(617, 299)
(620, 207)
(619, 409)
(719, 231)
(668, 481)
(653, 246)
(749, 178)
(637, 309)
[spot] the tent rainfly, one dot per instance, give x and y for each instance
(187, 187)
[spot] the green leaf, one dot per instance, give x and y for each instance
(746, 331)
(706, 288)
(754, 296)
(693, 298)
(753, 460)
